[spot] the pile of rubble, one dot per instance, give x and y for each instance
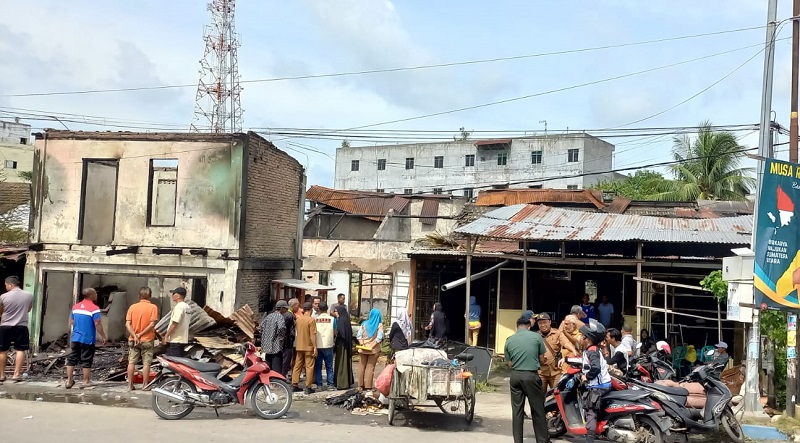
(216, 338)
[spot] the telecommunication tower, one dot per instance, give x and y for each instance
(218, 106)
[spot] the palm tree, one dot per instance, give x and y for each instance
(707, 168)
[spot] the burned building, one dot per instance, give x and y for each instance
(215, 213)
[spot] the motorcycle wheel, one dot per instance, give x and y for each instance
(654, 434)
(169, 410)
(732, 426)
(271, 403)
(555, 425)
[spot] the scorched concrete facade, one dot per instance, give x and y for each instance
(101, 203)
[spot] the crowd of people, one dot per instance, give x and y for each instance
(303, 341)
(537, 354)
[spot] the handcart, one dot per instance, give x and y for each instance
(427, 375)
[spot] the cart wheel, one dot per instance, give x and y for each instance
(392, 410)
(392, 399)
(469, 400)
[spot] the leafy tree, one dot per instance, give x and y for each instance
(26, 175)
(718, 287)
(642, 185)
(462, 135)
(708, 168)
(345, 143)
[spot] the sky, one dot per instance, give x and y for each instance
(57, 46)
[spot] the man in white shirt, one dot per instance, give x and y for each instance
(315, 306)
(326, 325)
(177, 335)
(627, 338)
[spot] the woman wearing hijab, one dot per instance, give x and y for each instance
(438, 327)
(648, 344)
(474, 321)
(343, 358)
(400, 335)
(370, 336)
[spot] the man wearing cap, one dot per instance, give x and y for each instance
(556, 344)
(177, 336)
(721, 359)
(273, 335)
(528, 315)
(524, 352)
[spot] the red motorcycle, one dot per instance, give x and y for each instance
(184, 384)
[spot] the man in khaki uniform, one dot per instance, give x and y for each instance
(555, 343)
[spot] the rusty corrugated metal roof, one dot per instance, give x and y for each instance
(508, 197)
(534, 222)
(375, 205)
(497, 141)
(13, 195)
(618, 206)
(429, 211)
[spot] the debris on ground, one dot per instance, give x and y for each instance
(355, 401)
(216, 339)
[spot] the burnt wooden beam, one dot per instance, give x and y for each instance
(167, 251)
(128, 250)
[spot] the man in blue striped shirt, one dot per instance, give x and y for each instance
(85, 322)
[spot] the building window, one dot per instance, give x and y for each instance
(572, 186)
(572, 155)
(438, 162)
(437, 190)
(536, 157)
(468, 193)
(469, 160)
(381, 164)
(535, 187)
(502, 158)
(408, 191)
(379, 190)
(354, 165)
(163, 197)
(23, 141)
(11, 164)
(499, 186)
(409, 162)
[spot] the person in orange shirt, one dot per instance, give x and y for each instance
(141, 323)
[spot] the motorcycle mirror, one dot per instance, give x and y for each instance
(638, 346)
(710, 353)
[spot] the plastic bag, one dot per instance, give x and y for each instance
(384, 382)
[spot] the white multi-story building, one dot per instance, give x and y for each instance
(564, 161)
(16, 151)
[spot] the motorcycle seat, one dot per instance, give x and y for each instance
(668, 389)
(625, 395)
(202, 367)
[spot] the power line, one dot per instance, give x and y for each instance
(539, 94)
(398, 69)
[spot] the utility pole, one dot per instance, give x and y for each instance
(752, 394)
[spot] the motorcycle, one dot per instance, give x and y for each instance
(689, 419)
(184, 384)
(651, 367)
(626, 416)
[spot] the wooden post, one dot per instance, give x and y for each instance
(469, 287)
(525, 275)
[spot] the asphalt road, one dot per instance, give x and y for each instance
(32, 421)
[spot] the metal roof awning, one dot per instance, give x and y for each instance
(305, 285)
(12, 253)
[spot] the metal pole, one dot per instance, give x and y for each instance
(791, 366)
(469, 288)
(795, 60)
(719, 322)
(639, 286)
(666, 316)
(751, 397)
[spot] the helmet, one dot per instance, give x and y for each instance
(664, 347)
(594, 331)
